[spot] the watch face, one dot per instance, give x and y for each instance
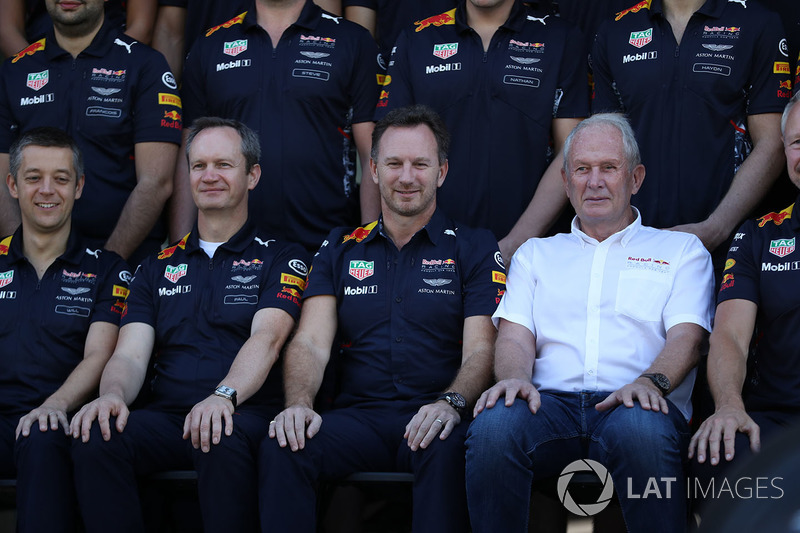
(225, 391)
(456, 400)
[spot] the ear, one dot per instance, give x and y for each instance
(638, 178)
(79, 186)
(12, 186)
(443, 168)
(373, 169)
(253, 177)
(565, 181)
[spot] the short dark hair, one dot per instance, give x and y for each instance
(251, 146)
(413, 115)
(46, 136)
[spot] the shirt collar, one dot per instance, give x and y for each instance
(516, 19)
(308, 19)
(623, 236)
(99, 47)
(72, 254)
(434, 229)
(238, 243)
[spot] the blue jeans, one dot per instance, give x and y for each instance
(509, 447)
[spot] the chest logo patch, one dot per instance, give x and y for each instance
(234, 48)
(6, 278)
(174, 273)
(641, 38)
(37, 80)
(446, 50)
(361, 270)
(779, 247)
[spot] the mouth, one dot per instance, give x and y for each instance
(46, 205)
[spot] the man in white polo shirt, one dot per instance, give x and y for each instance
(599, 332)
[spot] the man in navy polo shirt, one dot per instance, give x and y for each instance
(119, 101)
(704, 83)
(506, 78)
(216, 308)
(305, 81)
(755, 393)
(60, 303)
(410, 297)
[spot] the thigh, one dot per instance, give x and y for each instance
(8, 424)
(154, 440)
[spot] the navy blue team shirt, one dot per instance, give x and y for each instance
(302, 98)
(763, 267)
(401, 312)
(498, 105)
(116, 93)
(44, 323)
(202, 310)
(688, 103)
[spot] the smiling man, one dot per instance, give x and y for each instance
(216, 308)
(410, 297)
(598, 336)
(60, 305)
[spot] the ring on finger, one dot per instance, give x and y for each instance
(439, 420)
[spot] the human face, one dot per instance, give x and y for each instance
(217, 172)
(408, 171)
(46, 187)
(600, 184)
(75, 14)
(791, 144)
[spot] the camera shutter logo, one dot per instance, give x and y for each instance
(586, 509)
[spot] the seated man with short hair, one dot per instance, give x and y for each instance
(599, 332)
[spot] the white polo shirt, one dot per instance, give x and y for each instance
(600, 310)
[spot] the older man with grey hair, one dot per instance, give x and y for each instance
(599, 332)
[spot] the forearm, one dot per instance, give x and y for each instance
(79, 386)
(182, 209)
(123, 378)
(168, 37)
(12, 28)
(140, 19)
(543, 209)
(727, 367)
(512, 361)
(680, 353)
(303, 373)
(140, 214)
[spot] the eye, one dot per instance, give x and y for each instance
(223, 164)
(63, 180)
(198, 166)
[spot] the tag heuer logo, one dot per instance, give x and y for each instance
(446, 50)
(641, 38)
(6, 278)
(234, 48)
(781, 247)
(174, 273)
(37, 80)
(361, 270)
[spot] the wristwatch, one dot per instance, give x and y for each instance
(455, 400)
(659, 380)
(227, 393)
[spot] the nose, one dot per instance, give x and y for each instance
(407, 176)
(47, 185)
(595, 179)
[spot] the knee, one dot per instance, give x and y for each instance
(86, 453)
(637, 429)
(494, 429)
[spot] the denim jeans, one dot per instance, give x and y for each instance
(644, 451)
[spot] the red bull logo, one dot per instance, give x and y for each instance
(776, 218)
(29, 51)
(291, 291)
(644, 4)
(786, 85)
(4, 244)
(448, 262)
(446, 18)
(167, 252)
(173, 115)
(120, 308)
(238, 19)
(172, 119)
(359, 234)
(384, 95)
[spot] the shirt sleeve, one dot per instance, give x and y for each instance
(193, 84)
(7, 124)
(740, 279)
(364, 85)
(604, 96)
(691, 298)
(283, 286)
(572, 101)
(157, 109)
(140, 305)
(114, 277)
(484, 279)
(320, 275)
(517, 303)
(396, 91)
(770, 69)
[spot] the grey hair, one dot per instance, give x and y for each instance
(630, 147)
(251, 145)
(46, 137)
(787, 110)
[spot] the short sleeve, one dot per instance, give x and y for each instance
(110, 302)
(517, 303)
